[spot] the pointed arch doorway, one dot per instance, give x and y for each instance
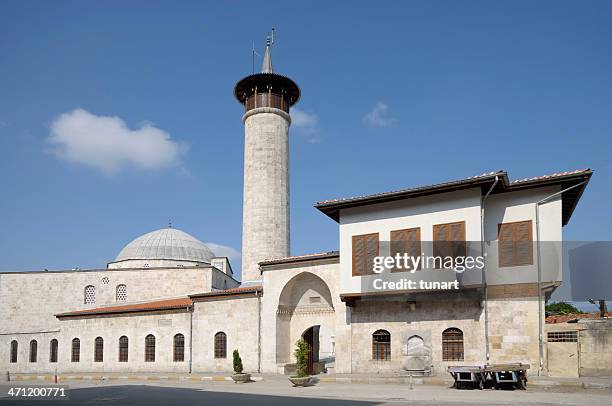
(311, 337)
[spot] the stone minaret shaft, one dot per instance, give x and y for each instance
(267, 98)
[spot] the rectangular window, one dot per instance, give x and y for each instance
(365, 248)
(407, 241)
(515, 243)
(449, 240)
(563, 337)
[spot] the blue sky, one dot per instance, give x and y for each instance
(395, 94)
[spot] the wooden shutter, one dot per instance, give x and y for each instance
(365, 248)
(515, 243)
(406, 241)
(449, 240)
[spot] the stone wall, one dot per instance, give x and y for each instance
(239, 320)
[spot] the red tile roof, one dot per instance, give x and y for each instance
(229, 292)
(169, 304)
(300, 258)
(565, 318)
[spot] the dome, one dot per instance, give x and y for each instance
(166, 244)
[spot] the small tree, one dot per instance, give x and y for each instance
(237, 361)
(301, 358)
(561, 308)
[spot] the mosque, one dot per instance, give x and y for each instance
(168, 304)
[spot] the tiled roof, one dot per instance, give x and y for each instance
(486, 180)
(229, 292)
(168, 304)
(565, 318)
(300, 258)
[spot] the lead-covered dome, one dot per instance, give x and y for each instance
(166, 245)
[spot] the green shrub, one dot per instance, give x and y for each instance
(237, 362)
(301, 358)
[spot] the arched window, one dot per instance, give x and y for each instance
(99, 349)
(75, 355)
(381, 345)
(90, 294)
(220, 345)
(53, 351)
(150, 348)
(452, 344)
(33, 350)
(121, 293)
(178, 355)
(123, 349)
(14, 348)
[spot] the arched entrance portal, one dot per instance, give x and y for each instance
(305, 311)
(311, 336)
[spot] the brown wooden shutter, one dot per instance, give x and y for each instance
(365, 248)
(515, 243)
(406, 241)
(449, 239)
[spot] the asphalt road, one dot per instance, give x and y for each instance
(274, 392)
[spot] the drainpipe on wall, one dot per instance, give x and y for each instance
(539, 259)
(484, 278)
(190, 336)
(258, 332)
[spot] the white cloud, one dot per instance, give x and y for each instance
(377, 117)
(305, 123)
(225, 251)
(109, 145)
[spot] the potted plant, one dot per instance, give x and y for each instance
(239, 376)
(301, 377)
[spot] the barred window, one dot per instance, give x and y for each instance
(33, 350)
(90, 294)
(179, 348)
(75, 356)
(53, 351)
(99, 349)
(563, 337)
(381, 345)
(452, 345)
(150, 348)
(14, 348)
(123, 349)
(220, 345)
(121, 293)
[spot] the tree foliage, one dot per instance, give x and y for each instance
(237, 362)
(301, 358)
(561, 308)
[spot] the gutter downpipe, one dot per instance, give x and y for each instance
(191, 336)
(258, 332)
(484, 278)
(539, 258)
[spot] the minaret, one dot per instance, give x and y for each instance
(266, 97)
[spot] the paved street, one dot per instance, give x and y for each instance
(279, 392)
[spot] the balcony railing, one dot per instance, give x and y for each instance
(267, 99)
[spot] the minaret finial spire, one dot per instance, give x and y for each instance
(266, 67)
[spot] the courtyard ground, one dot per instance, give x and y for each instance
(276, 390)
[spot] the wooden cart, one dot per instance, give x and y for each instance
(497, 376)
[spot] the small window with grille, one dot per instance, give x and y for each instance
(90, 294)
(150, 348)
(14, 348)
(121, 293)
(33, 351)
(123, 349)
(179, 348)
(99, 349)
(53, 351)
(563, 337)
(381, 345)
(75, 355)
(452, 345)
(220, 345)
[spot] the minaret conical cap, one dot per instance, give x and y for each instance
(266, 66)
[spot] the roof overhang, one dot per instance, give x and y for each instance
(332, 208)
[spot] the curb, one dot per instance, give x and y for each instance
(197, 378)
